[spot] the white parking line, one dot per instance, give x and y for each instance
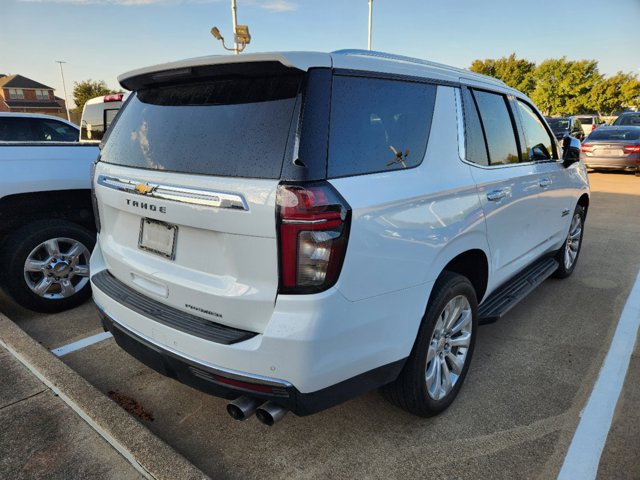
(85, 342)
(584, 453)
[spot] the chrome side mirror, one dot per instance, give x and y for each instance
(570, 150)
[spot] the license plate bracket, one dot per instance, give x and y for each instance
(158, 237)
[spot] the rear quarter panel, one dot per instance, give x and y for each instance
(408, 224)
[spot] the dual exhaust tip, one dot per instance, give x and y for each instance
(267, 412)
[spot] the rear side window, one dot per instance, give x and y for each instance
(475, 146)
(54, 131)
(235, 126)
(539, 145)
(378, 125)
(14, 129)
(498, 128)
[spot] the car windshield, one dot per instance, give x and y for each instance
(633, 119)
(621, 134)
(586, 120)
(558, 123)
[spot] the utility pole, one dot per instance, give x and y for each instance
(64, 88)
(235, 26)
(370, 18)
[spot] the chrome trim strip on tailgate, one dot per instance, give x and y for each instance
(174, 193)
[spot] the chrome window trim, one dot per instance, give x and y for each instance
(207, 198)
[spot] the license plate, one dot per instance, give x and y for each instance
(158, 237)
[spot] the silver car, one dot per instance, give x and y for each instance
(613, 148)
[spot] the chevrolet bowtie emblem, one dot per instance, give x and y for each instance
(144, 188)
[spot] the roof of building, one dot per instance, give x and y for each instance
(31, 104)
(18, 81)
(364, 60)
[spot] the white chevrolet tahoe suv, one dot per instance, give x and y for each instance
(291, 230)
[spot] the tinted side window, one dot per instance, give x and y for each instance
(475, 146)
(498, 128)
(539, 145)
(52, 131)
(378, 125)
(14, 129)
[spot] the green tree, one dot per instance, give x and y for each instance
(563, 86)
(88, 89)
(614, 93)
(515, 72)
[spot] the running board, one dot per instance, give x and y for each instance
(507, 296)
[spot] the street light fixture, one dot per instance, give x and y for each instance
(242, 38)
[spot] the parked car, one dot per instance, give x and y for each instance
(613, 148)
(28, 127)
(589, 122)
(47, 225)
(566, 126)
(97, 115)
(628, 119)
(291, 230)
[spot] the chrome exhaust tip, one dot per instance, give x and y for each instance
(269, 413)
(243, 407)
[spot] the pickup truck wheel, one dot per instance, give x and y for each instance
(438, 364)
(568, 254)
(46, 265)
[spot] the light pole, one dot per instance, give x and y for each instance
(235, 26)
(370, 18)
(64, 88)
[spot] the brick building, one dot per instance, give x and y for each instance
(21, 94)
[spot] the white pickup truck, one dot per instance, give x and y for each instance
(47, 227)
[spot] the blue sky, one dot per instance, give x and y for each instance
(100, 39)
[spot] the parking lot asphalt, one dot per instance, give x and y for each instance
(515, 417)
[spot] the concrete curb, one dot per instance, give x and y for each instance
(147, 453)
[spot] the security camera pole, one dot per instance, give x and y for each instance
(370, 18)
(241, 35)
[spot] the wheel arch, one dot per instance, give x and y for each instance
(583, 201)
(21, 209)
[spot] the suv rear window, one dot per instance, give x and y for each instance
(378, 125)
(586, 120)
(235, 127)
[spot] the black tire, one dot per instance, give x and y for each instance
(19, 245)
(410, 390)
(565, 270)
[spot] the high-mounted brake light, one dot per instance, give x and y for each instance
(313, 229)
(113, 97)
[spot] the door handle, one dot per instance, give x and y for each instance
(544, 182)
(496, 195)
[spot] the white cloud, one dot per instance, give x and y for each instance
(279, 6)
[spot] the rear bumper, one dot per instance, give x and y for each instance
(315, 352)
(231, 384)
(631, 163)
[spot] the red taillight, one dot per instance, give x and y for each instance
(113, 97)
(586, 148)
(631, 148)
(313, 228)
